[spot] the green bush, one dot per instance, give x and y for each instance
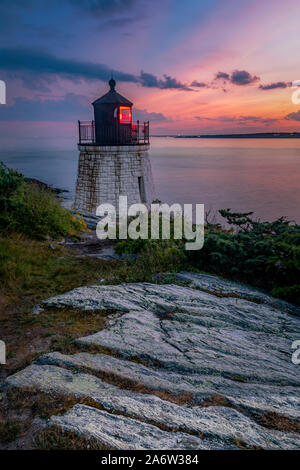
(264, 254)
(27, 209)
(162, 256)
(131, 246)
(155, 255)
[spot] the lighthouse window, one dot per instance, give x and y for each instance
(125, 115)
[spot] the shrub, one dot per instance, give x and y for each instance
(264, 254)
(26, 208)
(155, 255)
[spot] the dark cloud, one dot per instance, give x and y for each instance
(19, 59)
(151, 81)
(144, 115)
(238, 77)
(169, 82)
(242, 77)
(273, 86)
(222, 75)
(197, 84)
(28, 64)
(293, 116)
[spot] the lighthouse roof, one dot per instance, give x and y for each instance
(112, 97)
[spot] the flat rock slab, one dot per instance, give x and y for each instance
(117, 432)
(203, 337)
(221, 286)
(218, 426)
(184, 346)
(251, 397)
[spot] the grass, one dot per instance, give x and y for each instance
(278, 421)
(216, 400)
(29, 404)
(56, 439)
(21, 407)
(244, 446)
(31, 271)
(9, 430)
(28, 209)
(45, 405)
(35, 269)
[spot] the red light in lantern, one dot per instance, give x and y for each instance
(125, 115)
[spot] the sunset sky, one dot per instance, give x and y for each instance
(190, 67)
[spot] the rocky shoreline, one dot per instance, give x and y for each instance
(44, 186)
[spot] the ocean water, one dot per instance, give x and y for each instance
(259, 175)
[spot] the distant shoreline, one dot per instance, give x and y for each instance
(259, 135)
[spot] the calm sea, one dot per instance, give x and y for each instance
(260, 175)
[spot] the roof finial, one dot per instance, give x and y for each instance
(112, 83)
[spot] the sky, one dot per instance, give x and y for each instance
(190, 67)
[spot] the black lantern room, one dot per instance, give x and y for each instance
(113, 122)
(112, 117)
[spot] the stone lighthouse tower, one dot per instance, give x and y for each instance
(113, 158)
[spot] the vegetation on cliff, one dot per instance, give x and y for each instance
(28, 209)
(263, 254)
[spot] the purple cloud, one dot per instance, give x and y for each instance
(151, 81)
(222, 76)
(273, 86)
(144, 115)
(31, 62)
(293, 116)
(197, 84)
(238, 77)
(242, 77)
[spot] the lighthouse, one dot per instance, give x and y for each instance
(113, 156)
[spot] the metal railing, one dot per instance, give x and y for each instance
(138, 133)
(86, 131)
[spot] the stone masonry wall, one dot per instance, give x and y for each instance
(106, 172)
